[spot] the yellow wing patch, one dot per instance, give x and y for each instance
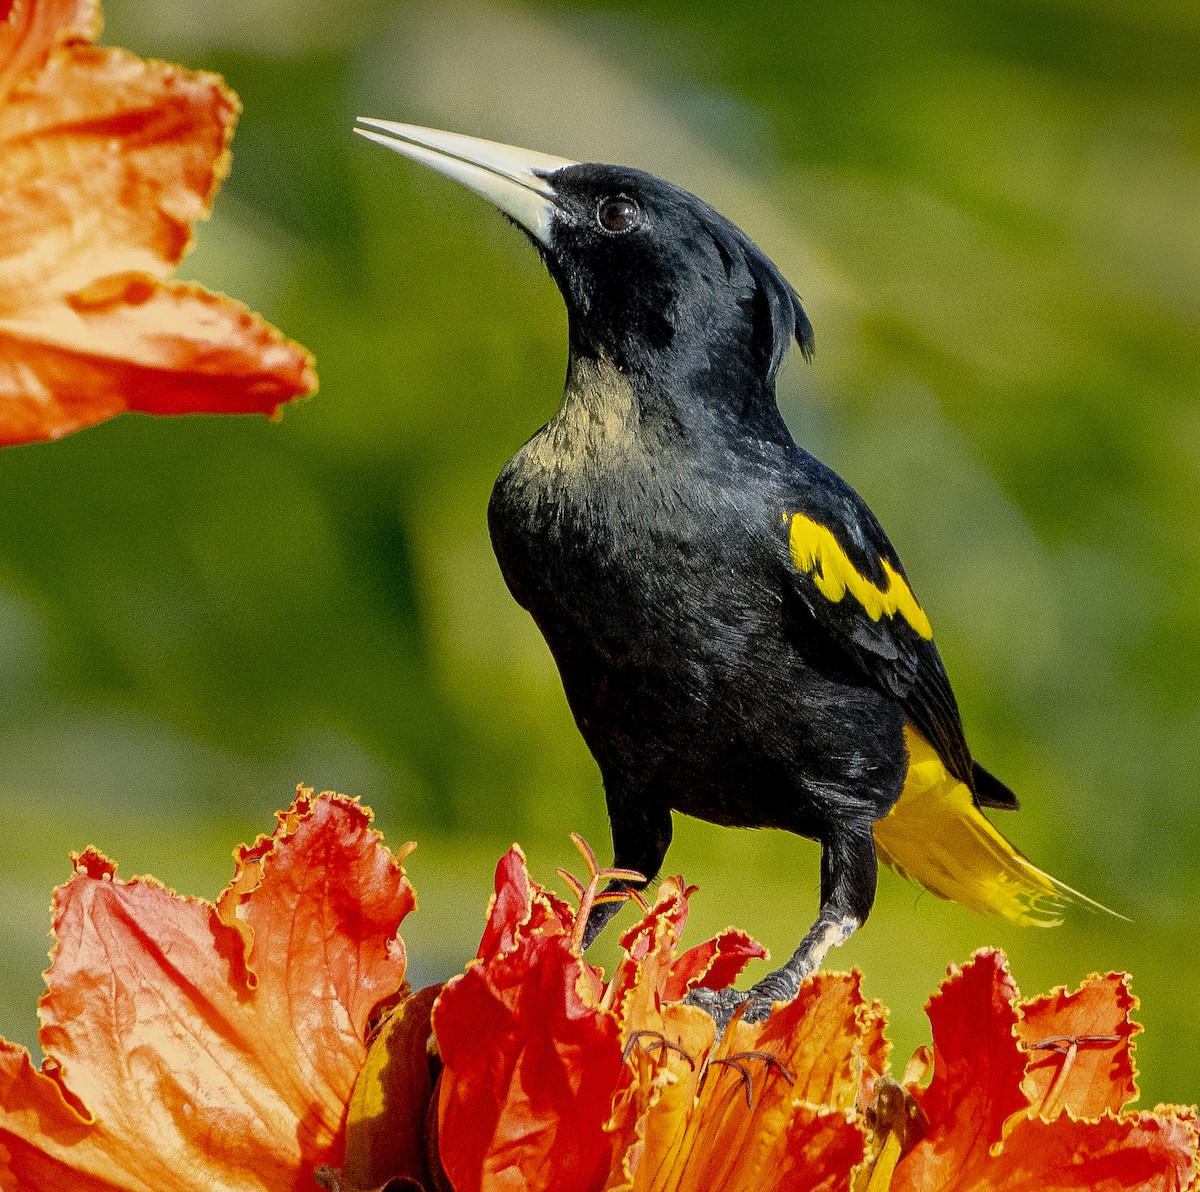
(816, 551)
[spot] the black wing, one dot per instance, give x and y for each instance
(851, 580)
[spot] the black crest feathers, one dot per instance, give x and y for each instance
(779, 305)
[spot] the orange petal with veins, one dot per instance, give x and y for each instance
(30, 30)
(178, 1043)
(1146, 1152)
(106, 162)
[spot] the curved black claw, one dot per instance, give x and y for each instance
(738, 1064)
(659, 1042)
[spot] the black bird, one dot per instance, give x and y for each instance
(736, 636)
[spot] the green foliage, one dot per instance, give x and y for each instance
(992, 212)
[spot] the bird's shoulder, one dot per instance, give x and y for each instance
(851, 586)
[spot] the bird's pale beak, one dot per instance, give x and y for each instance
(515, 180)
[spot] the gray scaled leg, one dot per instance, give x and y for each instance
(848, 873)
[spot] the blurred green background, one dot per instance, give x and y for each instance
(993, 213)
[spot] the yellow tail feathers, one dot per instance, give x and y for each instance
(937, 837)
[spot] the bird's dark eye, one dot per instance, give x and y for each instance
(618, 214)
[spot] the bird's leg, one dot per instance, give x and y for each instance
(848, 873)
(641, 832)
(832, 929)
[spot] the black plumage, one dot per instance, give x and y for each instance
(736, 636)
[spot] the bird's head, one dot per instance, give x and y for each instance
(655, 280)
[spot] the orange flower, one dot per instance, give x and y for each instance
(551, 1078)
(534, 1093)
(105, 163)
(192, 1045)
(1028, 1094)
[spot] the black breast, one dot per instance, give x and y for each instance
(659, 582)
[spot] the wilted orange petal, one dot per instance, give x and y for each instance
(175, 1057)
(531, 1061)
(715, 964)
(977, 1072)
(1136, 1153)
(876, 1048)
(670, 907)
(638, 986)
(1085, 1061)
(385, 1124)
(105, 162)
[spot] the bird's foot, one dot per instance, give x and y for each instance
(719, 1004)
(739, 1063)
(658, 1042)
(758, 1008)
(722, 1004)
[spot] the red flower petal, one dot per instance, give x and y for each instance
(715, 964)
(530, 1071)
(531, 1061)
(1085, 1063)
(519, 906)
(978, 1067)
(818, 1037)
(106, 162)
(1147, 1152)
(178, 1043)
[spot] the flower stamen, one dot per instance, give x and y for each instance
(1068, 1047)
(589, 895)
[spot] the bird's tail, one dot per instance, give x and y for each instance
(937, 837)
